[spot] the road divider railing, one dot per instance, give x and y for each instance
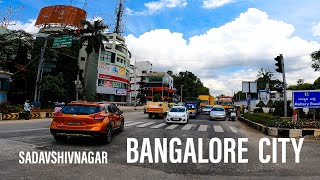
(281, 132)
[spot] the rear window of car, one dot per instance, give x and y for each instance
(217, 109)
(208, 107)
(81, 110)
(177, 109)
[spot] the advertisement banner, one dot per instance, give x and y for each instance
(121, 91)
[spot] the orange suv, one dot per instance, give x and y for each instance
(87, 119)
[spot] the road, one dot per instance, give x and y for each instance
(34, 135)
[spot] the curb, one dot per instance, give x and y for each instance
(281, 132)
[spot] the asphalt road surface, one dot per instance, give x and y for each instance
(34, 135)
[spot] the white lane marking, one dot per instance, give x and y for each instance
(132, 124)
(145, 124)
(158, 126)
(203, 128)
(218, 129)
(127, 122)
(233, 129)
(172, 126)
(23, 130)
(187, 127)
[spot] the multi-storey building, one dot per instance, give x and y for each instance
(161, 84)
(108, 72)
(138, 78)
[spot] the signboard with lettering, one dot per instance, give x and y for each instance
(306, 99)
(59, 42)
(122, 92)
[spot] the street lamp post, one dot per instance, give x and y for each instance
(181, 92)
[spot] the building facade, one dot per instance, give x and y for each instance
(5, 78)
(159, 84)
(138, 78)
(108, 72)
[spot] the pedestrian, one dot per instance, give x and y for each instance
(27, 109)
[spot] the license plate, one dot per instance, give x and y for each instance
(74, 123)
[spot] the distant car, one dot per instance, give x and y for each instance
(206, 109)
(177, 114)
(87, 119)
(217, 113)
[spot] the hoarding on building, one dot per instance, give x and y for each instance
(112, 79)
(61, 14)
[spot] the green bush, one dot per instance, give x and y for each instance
(274, 121)
(6, 108)
(261, 118)
(258, 110)
(279, 108)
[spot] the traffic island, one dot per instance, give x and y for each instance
(281, 132)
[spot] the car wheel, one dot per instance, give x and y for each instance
(60, 138)
(150, 115)
(121, 126)
(107, 137)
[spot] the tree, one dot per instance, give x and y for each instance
(261, 104)
(192, 86)
(264, 79)
(315, 57)
(15, 56)
(301, 86)
(52, 88)
(316, 83)
(93, 40)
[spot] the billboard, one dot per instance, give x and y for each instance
(306, 99)
(249, 86)
(60, 14)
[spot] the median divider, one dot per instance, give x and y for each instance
(35, 116)
(11, 116)
(281, 132)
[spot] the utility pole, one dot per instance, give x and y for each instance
(135, 82)
(78, 84)
(280, 69)
(43, 49)
(284, 88)
(181, 92)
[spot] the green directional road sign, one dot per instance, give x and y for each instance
(60, 42)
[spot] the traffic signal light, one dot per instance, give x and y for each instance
(279, 64)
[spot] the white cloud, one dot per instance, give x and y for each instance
(28, 26)
(210, 4)
(316, 29)
(155, 6)
(227, 55)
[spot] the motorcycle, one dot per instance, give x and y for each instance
(233, 115)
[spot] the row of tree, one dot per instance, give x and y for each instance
(20, 55)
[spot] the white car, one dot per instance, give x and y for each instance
(217, 113)
(177, 114)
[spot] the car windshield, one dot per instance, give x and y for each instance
(190, 106)
(80, 110)
(204, 101)
(217, 109)
(208, 107)
(177, 110)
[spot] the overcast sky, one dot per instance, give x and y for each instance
(224, 42)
